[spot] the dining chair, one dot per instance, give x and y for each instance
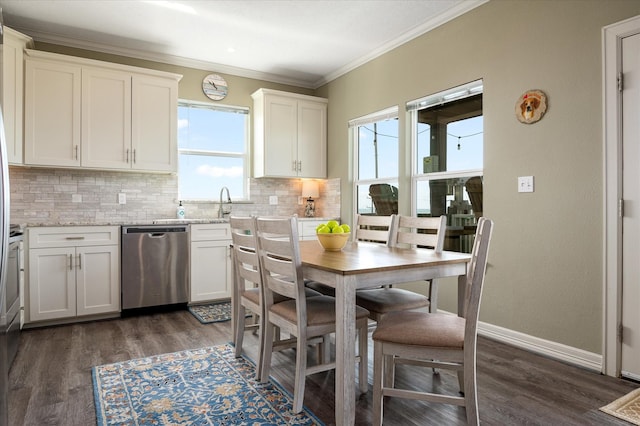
(247, 283)
(435, 340)
(303, 317)
(366, 228)
(247, 286)
(406, 231)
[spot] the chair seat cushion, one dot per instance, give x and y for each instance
(320, 310)
(383, 300)
(421, 329)
(253, 295)
(321, 288)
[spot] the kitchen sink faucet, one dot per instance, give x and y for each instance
(221, 211)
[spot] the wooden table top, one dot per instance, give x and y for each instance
(359, 257)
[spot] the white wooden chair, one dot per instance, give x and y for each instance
(406, 231)
(248, 289)
(302, 317)
(420, 338)
(247, 271)
(366, 228)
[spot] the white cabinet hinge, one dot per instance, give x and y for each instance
(621, 208)
(620, 81)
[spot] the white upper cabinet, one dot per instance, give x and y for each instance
(106, 118)
(12, 86)
(154, 139)
(93, 114)
(52, 113)
(290, 135)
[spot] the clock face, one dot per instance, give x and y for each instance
(215, 87)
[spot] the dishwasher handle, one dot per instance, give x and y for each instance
(154, 231)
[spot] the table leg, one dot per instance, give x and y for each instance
(345, 350)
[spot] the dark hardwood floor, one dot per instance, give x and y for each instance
(50, 382)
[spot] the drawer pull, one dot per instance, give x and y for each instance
(74, 238)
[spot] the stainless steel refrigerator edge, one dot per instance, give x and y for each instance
(4, 247)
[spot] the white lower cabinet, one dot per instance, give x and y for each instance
(307, 228)
(211, 267)
(72, 272)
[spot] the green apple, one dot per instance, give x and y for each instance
(320, 226)
(332, 224)
(337, 230)
(324, 229)
(345, 228)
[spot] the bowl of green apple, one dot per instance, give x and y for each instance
(332, 235)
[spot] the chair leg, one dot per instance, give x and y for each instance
(301, 374)
(239, 330)
(378, 383)
(470, 394)
(433, 296)
(267, 351)
(389, 371)
(364, 357)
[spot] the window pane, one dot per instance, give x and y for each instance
(450, 136)
(378, 150)
(460, 199)
(210, 129)
(202, 176)
(379, 199)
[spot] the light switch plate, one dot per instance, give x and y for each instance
(525, 184)
(273, 200)
(122, 198)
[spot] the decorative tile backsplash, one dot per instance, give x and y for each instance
(57, 196)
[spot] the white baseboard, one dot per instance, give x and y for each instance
(569, 354)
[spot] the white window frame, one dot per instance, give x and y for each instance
(459, 92)
(229, 154)
(390, 113)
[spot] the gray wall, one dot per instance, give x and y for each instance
(546, 260)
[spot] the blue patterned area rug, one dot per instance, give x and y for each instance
(212, 312)
(206, 386)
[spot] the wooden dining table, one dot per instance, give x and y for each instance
(362, 265)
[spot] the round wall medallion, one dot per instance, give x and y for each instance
(531, 106)
(215, 87)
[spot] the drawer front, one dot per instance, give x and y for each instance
(211, 232)
(73, 236)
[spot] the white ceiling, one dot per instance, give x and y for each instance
(303, 43)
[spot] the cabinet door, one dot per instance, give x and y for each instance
(312, 139)
(280, 136)
(97, 280)
(52, 284)
(52, 113)
(154, 123)
(12, 86)
(106, 119)
(210, 270)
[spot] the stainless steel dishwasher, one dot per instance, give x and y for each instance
(154, 265)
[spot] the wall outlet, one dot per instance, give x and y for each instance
(76, 198)
(525, 184)
(273, 200)
(122, 198)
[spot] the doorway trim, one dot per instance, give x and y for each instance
(612, 36)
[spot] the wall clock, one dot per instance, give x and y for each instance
(215, 87)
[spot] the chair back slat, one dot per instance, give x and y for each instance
(419, 232)
(372, 228)
(476, 270)
(279, 252)
(245, 254)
